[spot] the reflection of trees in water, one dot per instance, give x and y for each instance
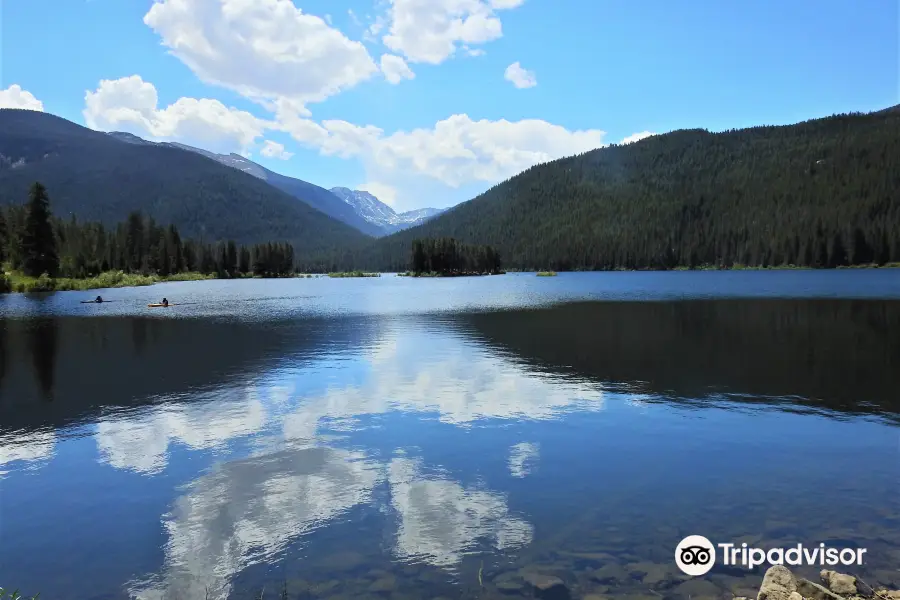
(843, 354)
(44, 335)
(115, 362)
(3, 351)
(139, 335)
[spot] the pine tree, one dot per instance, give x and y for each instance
(4, 240)
(38, 239)
(134, 242)
(231, 258)
(244, 260)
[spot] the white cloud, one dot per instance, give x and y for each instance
(636, 137)
(455, 151)
(382, 191)
(272, 149)
(131, 104)
(15, 97)
(395, 69)
(521, 78)
(264, 49)
(430, 31)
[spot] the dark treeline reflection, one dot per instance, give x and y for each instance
(838, 354)
(43, 335)
(85, 365)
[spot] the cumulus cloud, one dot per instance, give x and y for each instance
(520, 77)
(395, 69)
(15, 97)
(272, 149)
(430, 31)
(265, 50)
(131, 104)
(457, 150)
(636, 137)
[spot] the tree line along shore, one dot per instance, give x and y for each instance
(40, 253)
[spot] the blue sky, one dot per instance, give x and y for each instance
(429, 102)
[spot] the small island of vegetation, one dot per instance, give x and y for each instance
(340, 275)
(447, 257)
(546, 273)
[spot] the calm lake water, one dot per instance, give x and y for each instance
(397, 438)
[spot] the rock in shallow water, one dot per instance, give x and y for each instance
(843, 585)
(548, 587)
(384, 584)
(778, 584)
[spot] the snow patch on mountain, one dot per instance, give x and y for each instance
(378, 213)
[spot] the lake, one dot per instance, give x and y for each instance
(446, 438)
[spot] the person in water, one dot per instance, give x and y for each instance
(98, 299)
(165, 302)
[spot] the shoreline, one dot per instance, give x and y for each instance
(22, 284)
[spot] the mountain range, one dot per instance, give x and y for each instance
(822, 192)
(101, 177)
(358, 209)
(380, 214)
(818, 193)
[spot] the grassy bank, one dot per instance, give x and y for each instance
(546, 273)
(437, 274)
(353, 274)
(15, 281)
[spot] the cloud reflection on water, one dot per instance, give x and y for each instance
(247, 510)
(522, 459)
(32, 448)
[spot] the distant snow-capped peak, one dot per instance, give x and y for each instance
(377, 212)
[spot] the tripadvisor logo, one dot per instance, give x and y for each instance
(695, 555)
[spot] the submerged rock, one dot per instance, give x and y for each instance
(509, 586)
(611, 573)
(698, 588)
(383, 584)
(549, 587)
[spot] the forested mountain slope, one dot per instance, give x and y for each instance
(824, 192)
(313, 195)
(101, 177)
